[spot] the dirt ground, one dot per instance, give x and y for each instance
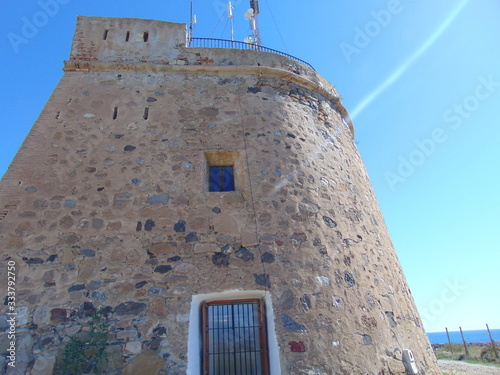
(463, 368)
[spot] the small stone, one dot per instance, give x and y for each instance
(126, 334)
(180, 226)
(88, 253)
(221, 260)
(130, 308)
(22, 315)
(322, 280)
(155, 290)
(305, 300)
(290, 325)
(191, 237)
(349, 279)
(329, 222)
(206, 247)
(133, 347)
(69, 203)
(87, 309)
(163, 268)
(31, 189)
(149, 225)
(367, 340)
(174, 259)
(136, 181)
(244, 254)
(44, 365)
(226, 249)
(297, 346)
(140, 284)
(338, 303)
(76, 288)
(58, 316)
(262, 280)
(267, 257)
(98, 296)
(129, 148)
(158, 199)
(147, 363)
(41, 316)
(216, 210)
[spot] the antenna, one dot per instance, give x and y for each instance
(191, 23)
(251, 15)
(231, 18)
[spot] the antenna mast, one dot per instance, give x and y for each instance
(231, 18)
(254, 5)
(191, 23)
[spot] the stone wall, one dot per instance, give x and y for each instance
(108, 211)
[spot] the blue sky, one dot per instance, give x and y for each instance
(421, 79)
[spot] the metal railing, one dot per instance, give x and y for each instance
(224, 43)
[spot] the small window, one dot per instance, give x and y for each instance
(221, 179)
(127, 36)
(234, 338)
(105, 36)
(145, 36)
(223, 171)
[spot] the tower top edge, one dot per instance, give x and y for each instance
(110, 42)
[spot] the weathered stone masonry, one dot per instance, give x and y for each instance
(106, 205)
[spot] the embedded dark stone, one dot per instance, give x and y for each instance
(76, 288)
(244, 254)
(267, 257)
(87, 252)
(164, 268)
(118, 136)
(291, 325)
(51, 258)
(93, 285)
(367, 340)
(138, 227)
(180, 227)
(31, 189)
(216, 210)
(297, 347)
(130, 308)
(129, 148)
(227, 249)
(253, 90)
(98, 296)
(191, 237)
(174, 259)
(262, 280)
(87, 309)
(150, 224)
(32, 260)
(260, 135)
(69, 203)
(390, 316)
(305, 300)
(140, 284)
(27, 214)
(155, 290)
(329, 222)
(154, 344)
(136, 181)
(290, 135)
(151, 99)
(160, 331)
(221, 260)
(349, 279)
(159, 199)
(58, 316)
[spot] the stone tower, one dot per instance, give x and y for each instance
(211, 206)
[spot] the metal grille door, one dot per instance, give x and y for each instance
(233, 339)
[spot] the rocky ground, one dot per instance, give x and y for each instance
(464, 368)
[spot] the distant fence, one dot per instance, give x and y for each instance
(224, 43)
